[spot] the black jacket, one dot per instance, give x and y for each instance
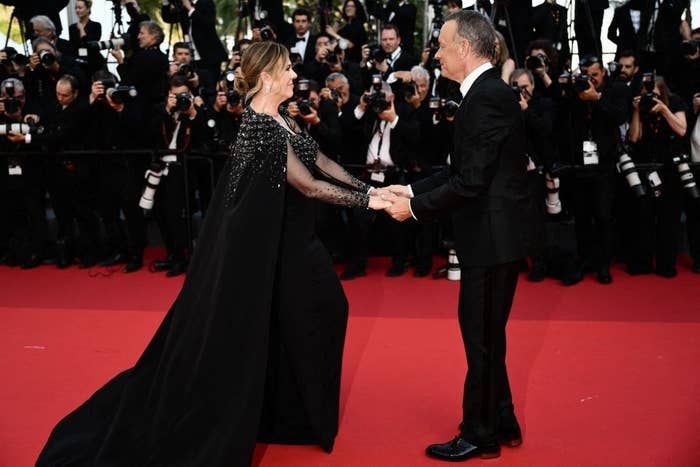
(485, 187)
(404, 17)
(147, 70)
(26, 9)
(549, 22)
(309, 53)
(204, 36)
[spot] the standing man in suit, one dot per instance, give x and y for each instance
(625, 26)
(485, 189)
(302, 41)
(401, 13)
(197, 19)
(587, 29)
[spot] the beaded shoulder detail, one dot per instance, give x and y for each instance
(261, 147)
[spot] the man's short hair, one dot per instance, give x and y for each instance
(177, 80)
(392, 27)
(337, 77)
(181, 45)
(42, 40)
(301, 12)
(45, 22)
(457, 3)
(477, 30)
(418, 72)
(70, 79)
(155, 29)
(518, 72)
(629, 53)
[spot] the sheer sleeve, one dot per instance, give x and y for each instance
(300, 178)
(334, 171)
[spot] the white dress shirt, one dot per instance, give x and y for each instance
(300, 47)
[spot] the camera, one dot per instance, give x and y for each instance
(689, 48)
(517, 92)
(376, 99)
(686, 175)
(335, 95)
(443, 107)
(409, 89)
(12, 104)
(120, 94)
(303, 91)
(266, 34)
(23, 128)
(232, 97)
(14, 57)
(47, 58)
(627, 169)
(183, 102)
(647, 102)
(333, 57)
(185, 69)
(152, 176)
(106, 45)
(580, 83)
(534, 62)
(376, 53)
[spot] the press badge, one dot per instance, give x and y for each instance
(590, 153)
(14, 169)
(377, 177)
(654, 179)
(82, 52)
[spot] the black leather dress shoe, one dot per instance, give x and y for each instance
(178, 268)
(604, 276)
(459, 449)
(666, 272)
(421, 271)
(396, 270)
(117, 258)
(161, 265)
(511, 436)
(87, 262)
(135, 263)
(538, 272)
(31, 261)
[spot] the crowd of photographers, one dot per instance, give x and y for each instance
(609, 154)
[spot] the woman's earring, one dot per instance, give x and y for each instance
(268, 88)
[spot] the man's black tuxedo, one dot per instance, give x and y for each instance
(204, 36)
(549, 22)
(486, 191)
(621, 30)
(404, 18)
(309, 53)
(587, 29)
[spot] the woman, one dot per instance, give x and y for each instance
(86, 30)
(501, 58)
(253, 342)
(353, 34)
(658, 124)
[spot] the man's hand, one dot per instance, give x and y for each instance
(523, 102)
(235, 60)
(220, 101)
(400, 210)
(16, 137)
(97, 90)
(187, 4)
(590, 94)
(404, 76)
(34, 61)
(362, 105)
(322, 53)
(389, 115)
(399, 190)
(312, 118)
(117, 54)
(170, 102)
(194, 81)
(378, 203)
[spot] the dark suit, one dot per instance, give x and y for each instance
(309, 53)
(26, 9)
(549, 22)
(404, 18)
(587, 29)
(621, 30)
(204, 36)
(93, 32)
(485, 189)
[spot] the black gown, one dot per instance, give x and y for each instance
(252, 346)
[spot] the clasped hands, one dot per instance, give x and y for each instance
(393, 199)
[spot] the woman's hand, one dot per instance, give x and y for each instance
(660, 107)
(379, 203)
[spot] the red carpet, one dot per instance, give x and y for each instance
(601, 375)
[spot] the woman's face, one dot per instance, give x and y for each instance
(350, 9)
(81, 9)
(283, 83)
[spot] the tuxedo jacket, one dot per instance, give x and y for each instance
(204, 36)
(404, 17)
(621, 30)
(309, 53)
(485, 187)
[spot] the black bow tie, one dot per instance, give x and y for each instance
(301, 39)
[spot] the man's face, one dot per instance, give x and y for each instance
(390, 41)
(523, 82)
(301, 24)
(450, 53)
(314, 99)
(182, 56)
(146, 38)
(422, 87)
(40, 31)
(627, 68)
(342, 88)
(597, 75)
(175, 90)
(453, 8)
(65, 95)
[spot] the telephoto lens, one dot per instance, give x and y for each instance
(121, 94)
(152, 176)
(686, 175)
(628, 170)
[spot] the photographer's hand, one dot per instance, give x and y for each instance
(364, 56)
(187, 5)
(425, 56)
(293, 109)
(400, 209)
(117, 54)
(34, 61)
(696, 103)
(97, 90)
(404, 76)
(590, 94)
(16, 137)
(170, 102)
(194, 81)
(220, 101)
(312, 118)
(382, 66)
(635, 103)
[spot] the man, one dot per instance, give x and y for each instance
(401, 13)
(26, 9)
(396, 58)
(485, 189)
(627, 69)
(42, 26)
(588, 21)
(183, 63)
(302, 42)
(549, 22)
(197, 20)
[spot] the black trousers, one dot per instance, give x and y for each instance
(593, 211)
(692, 224)
(23, 215)
(169, 211)
(485, 298)
(587, 33)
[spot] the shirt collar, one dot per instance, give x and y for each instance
(471, 77)
(396, 54)
(305, 36)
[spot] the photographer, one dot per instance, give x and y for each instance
(237, 53)
(198, 22)
(353, 34)
(657, 126)
(597, 108)
(352, 150)
(72, 181)
(27, 9)
(84, 31)
(318, 116)
(302, 41)
(12, 64)
(391, 134)
(688, 70)
(402, 14)
(542, 60)
(147, 68)
(112, 115)
(226, 112)
(325, 58)
(179, 126)
(389, 58)
(43, 27)
(538, 113)
(22, 187)
(182, 64)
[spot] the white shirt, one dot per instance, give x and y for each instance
(195, 52)
(300, 47)
(382, 133)
(695, 141)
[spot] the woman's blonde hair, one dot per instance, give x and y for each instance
(503, 54)
(267, 56)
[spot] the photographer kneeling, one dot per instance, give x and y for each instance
(658, 124)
